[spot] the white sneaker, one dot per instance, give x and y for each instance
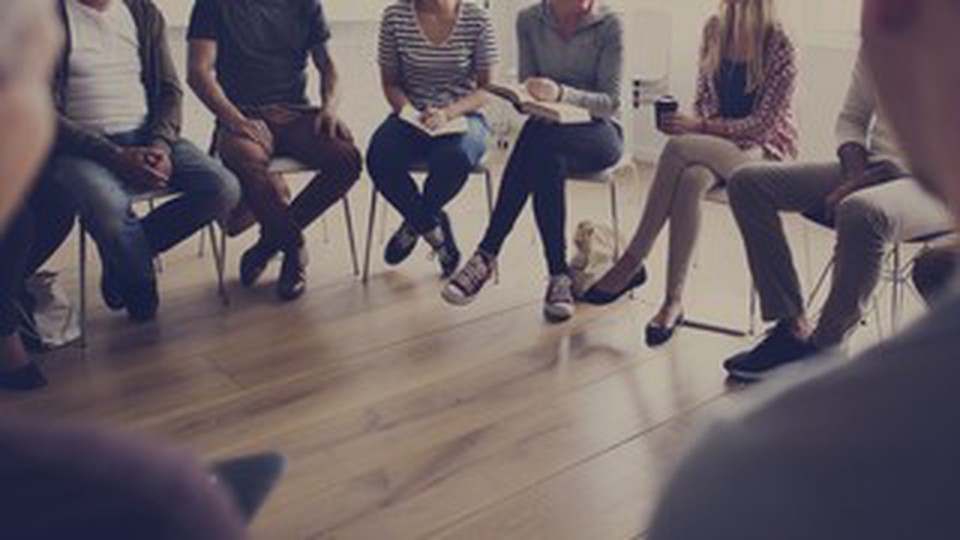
(469, 281)
(559, 305)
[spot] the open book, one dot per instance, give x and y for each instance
(560, 113)
(457, 126)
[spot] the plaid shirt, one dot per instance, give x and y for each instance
(772, 125)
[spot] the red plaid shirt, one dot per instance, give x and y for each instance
(772, 125)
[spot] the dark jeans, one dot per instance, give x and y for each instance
(127, 244)
(397, 146)
(266, 195)
(544, 156)
(38, 230)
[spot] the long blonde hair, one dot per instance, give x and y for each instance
(747, 25)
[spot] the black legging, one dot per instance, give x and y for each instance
(545, 154)
(35, 234)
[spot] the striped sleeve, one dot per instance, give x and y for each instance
(388, 50)
(486, 54)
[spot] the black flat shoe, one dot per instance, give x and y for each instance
(596, 297)
(23, 379)
(111, 291)
(659, 335)
(254, 263)
(293, 275)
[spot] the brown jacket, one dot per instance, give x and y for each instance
(164, 93)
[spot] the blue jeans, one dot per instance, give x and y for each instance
(544, 156)
(126, 243)
(397, 145)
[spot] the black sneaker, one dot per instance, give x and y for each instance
(401, 245)
(254, 262)
(781, 347)
(464, 287)
(448, 253)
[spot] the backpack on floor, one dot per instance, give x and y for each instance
(49, 319)
(594, 256)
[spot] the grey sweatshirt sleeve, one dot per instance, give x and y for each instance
(605, 101)
(527, 67)
(856, 117)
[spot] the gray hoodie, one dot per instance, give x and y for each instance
(589, 65)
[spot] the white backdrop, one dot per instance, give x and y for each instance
(825, 31)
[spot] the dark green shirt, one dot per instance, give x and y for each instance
(263, 46)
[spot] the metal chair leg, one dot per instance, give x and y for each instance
(371, 223)
(83, 285)
(615, 217)
(896, 291)
(219, 262)
(351, 237)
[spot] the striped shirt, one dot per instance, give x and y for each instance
(436, 75)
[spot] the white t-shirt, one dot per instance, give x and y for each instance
(105, 91)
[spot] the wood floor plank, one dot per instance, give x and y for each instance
(420, 493)
(610, 497)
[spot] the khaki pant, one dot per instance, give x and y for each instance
(688, 168)
(865, 222)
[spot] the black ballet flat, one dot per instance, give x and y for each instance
(596, 297)
(23, 379)
(660, 335)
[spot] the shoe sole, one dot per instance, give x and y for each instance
(747, 377)
(456, 299)
(557, 315)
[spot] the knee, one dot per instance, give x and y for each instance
(384, 154)
(109, 224)
(861, 216)
(743, 183)
(697, 179)
(242, 155)
(346, 165)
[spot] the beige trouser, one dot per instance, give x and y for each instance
(865, 222)
(689, 166)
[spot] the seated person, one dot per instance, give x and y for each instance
(67, 482)
(870, 198)
(119, 134)
(867, 448)
(248, 65)
(435, 56)
(29, 41)
(570, 51)
(743, 113)
(42, 225)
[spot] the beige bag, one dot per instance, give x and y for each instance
(594, 256)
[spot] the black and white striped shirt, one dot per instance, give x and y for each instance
(435, 75)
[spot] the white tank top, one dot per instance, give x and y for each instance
(105, 91)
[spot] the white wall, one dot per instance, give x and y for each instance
(823, 29)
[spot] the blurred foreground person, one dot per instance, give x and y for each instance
(58, 482)
(861, 450)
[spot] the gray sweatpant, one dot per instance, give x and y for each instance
(689, 167)
(865, 222)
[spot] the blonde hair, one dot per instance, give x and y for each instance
(741, 28)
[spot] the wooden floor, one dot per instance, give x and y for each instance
(403, 417)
